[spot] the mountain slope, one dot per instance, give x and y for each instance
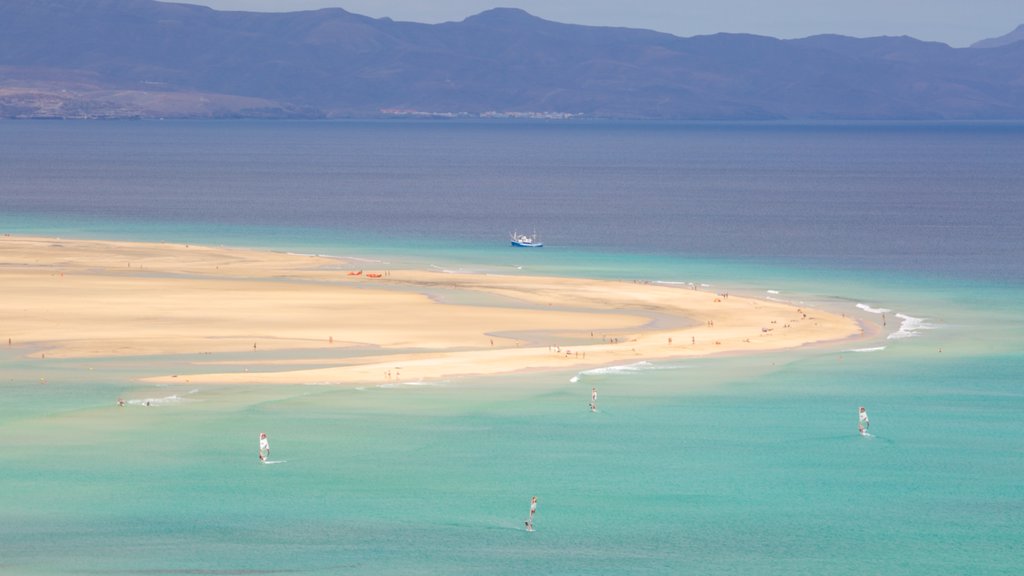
(88, 58)
(1015, 36)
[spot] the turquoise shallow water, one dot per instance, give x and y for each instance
(712, 466)
(731, 465)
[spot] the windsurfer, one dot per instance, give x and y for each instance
(264, 447)
(533, 510)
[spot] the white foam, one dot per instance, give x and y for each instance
(165, 401)
(453, 270)
(328, 256)
(910, 327)
(393, 385)
(875, 349)
(621, 369)
(635, 367)
(773, 291)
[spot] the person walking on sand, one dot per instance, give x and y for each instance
(533, 510)
(863, 423)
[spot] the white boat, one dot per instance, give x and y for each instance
(526, 241)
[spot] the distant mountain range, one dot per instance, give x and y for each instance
(142, 58)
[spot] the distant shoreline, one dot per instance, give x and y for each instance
(859, 124)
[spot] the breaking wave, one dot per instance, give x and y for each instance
(867, 308)
(393, 385)
(910, 327)
(165, 401)
(621, 369)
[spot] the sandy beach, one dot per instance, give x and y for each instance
(316, 319)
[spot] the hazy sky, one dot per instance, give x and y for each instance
(955, 22)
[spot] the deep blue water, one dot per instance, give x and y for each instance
(935, 199)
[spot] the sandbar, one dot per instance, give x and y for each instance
(268, 317)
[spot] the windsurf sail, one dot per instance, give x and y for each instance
(533, 510)
(863, 423)
(264, 446)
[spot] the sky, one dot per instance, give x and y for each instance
(955, 22)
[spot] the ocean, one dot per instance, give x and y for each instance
(722, 465)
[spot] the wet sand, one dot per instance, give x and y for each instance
(88, 298)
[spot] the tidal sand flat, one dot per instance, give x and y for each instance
(90, 298)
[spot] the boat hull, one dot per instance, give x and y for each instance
(525, 240)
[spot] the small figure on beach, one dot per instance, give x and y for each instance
(264, 447)
(593, 399)
(120, 402)
(863, 423)
(533, 510)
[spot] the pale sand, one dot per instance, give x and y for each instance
(86, 298)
